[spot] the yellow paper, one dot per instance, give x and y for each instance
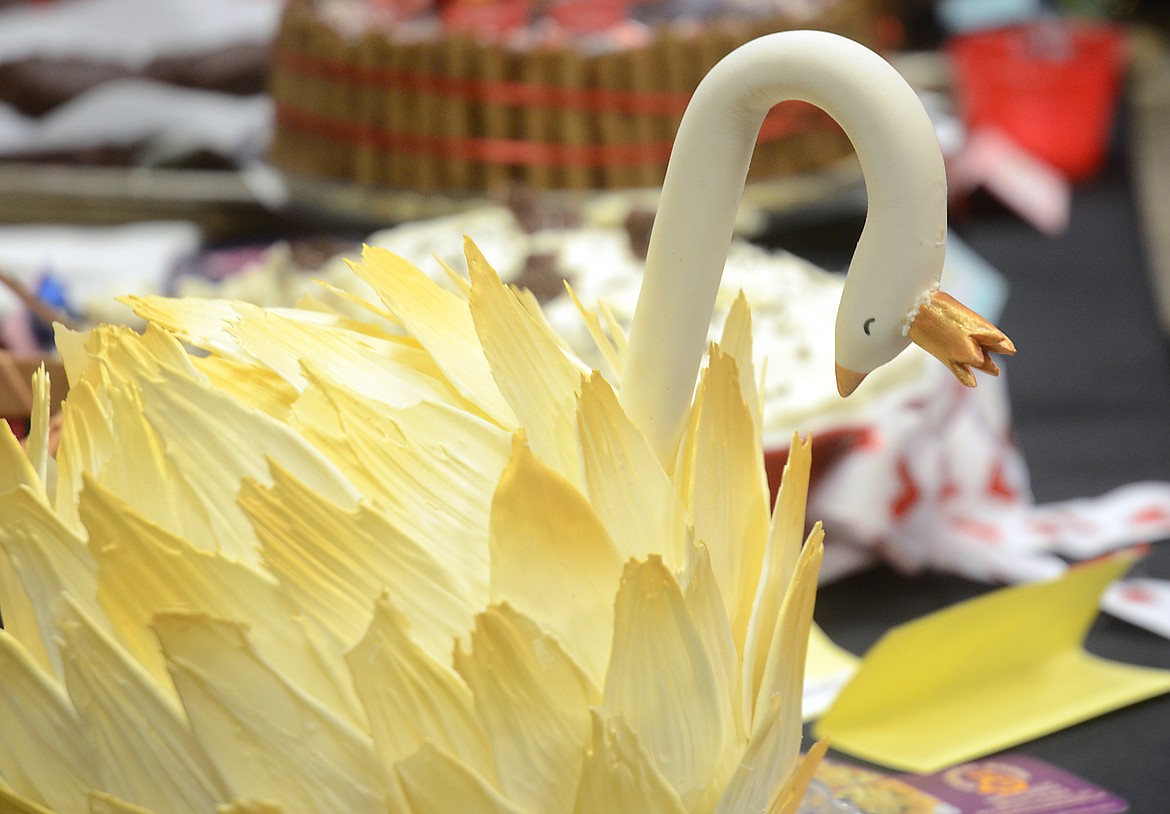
(827, 668)
(985, 675)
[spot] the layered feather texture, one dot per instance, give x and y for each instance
(289, 561)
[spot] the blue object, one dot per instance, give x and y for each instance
(972, 280)
(963, 16)
(51, 292)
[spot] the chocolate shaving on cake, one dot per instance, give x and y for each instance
(540, 276)
(638, 225)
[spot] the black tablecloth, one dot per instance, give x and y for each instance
(1090, 393)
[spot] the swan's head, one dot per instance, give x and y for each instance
(870, 335)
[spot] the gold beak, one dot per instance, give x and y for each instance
(847, 380)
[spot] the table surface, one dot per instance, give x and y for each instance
(1090, 393)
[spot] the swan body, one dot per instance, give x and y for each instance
(895, 268)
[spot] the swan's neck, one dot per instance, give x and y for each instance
(905, 184)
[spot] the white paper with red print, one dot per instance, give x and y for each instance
(939, 484)
(1143, 602)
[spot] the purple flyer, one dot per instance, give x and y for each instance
(1016, 784)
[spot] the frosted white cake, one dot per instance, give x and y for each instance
(793, 305)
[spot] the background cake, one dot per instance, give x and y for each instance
(434, 100)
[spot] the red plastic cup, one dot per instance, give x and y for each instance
(1051, 87)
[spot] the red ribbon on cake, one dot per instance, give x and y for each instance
(781, 121)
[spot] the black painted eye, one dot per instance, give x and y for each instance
(868, 322)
